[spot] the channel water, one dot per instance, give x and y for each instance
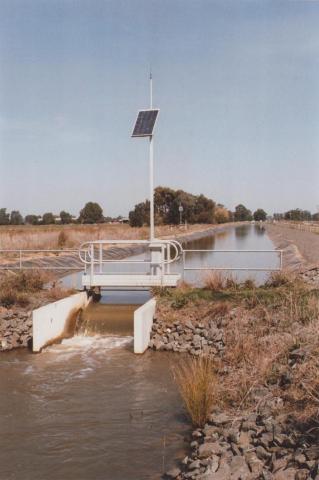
(91, 409)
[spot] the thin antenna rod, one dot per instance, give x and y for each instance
(151, 90)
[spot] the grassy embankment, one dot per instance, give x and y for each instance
(271, 346)
(69, 236)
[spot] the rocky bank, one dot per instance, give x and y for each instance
(15, 328)
(252, 447)
(195, 338)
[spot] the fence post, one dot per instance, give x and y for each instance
(92, 264)
(101, 257)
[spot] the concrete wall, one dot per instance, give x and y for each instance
(54, 320)
(143, 321)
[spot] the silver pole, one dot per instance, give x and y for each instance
(151, 190)
(151, 90)
(152, 228)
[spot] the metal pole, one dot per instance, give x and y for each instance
(151, 170)
(151, 90)
(151, 190)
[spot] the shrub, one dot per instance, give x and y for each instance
(277, 279)
(196, 381)
(9, 297)
(180, 300)
(62, 239)
(214, 281)
(249, 284)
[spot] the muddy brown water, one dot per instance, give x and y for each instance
(89, 409)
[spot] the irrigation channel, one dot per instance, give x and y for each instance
(90, 409)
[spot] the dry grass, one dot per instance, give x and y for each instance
(259, 342)
(16, 288)
(23, 287)
(196, 380)
(277, 279)
(271, 343)
(71, 236)
(216, 281)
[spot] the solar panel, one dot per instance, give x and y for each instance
(145, 122)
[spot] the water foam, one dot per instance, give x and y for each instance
(81, 343)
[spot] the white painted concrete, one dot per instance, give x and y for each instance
(49, 322)
(143, 321)
(130, 280)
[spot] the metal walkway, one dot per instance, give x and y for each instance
(152, 272)
(118, 264)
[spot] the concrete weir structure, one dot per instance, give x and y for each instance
(57, 320)
(143, 321)
(53, 321)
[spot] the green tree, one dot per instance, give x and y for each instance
(91, 213)
(4, 217)
(298, 215)
(260, 215)
(140, 215)
(48, 218)
(16, 218)
(32, 219)
(242, 214)
(196, 208)
(65, 217)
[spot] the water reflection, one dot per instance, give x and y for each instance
(242, 231)
(242, 237)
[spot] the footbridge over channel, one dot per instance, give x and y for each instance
(152, 269)
(131, 264)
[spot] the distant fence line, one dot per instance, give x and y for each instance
(306, 227)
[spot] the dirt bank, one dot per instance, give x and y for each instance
(305, 245)
(301, 250)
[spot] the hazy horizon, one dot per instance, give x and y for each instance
(237, 84)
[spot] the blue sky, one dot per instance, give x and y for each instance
(237, 83)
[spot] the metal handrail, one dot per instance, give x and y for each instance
(87, 248)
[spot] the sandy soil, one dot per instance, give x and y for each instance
(301, 249)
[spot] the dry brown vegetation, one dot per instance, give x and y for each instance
(271, 354)
(70, 236)
(196, 380)
(23, 287)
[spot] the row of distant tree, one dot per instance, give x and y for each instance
(90, 213)
(297, 215)
(173, 206)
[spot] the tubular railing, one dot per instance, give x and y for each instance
(92, 255)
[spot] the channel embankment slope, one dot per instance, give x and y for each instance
(300, 250)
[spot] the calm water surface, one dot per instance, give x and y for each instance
(243, 237)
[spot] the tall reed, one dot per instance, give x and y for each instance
(196, 381)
